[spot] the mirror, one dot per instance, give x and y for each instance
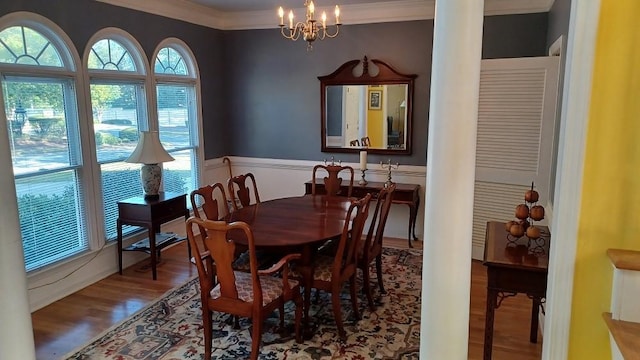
(365, 111)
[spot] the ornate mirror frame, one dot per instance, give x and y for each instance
(347, 74)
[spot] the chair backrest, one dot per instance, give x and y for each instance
(373, 242)
(333, 183)
(365, 141)
(346, 255)
(355, 142)
(213, 198)
(217, 242)
(243, 194)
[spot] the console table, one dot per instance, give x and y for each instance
(407, 194)
(514, 266)
(150, 214)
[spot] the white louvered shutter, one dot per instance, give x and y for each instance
(516, 117)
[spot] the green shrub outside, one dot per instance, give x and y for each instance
(129, 134)
(107, 139)
(42, 125)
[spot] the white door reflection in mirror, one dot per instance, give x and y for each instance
(374, 111)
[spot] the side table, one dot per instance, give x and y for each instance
(150, 214)
(514, 266)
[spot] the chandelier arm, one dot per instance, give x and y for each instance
(325, 33)
(294, 33)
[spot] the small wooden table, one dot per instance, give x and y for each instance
(150, 213)
(294, 224)
(407, 194)
(514, 266)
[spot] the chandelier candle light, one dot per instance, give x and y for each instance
(363, 167)
(310, 29)
(150, 153)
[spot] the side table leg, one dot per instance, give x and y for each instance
(152, 250)
(415, 215)
(492, 297)
(119, 229)
(533, 334)
(412, 220)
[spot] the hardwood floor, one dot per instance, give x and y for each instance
(72, 321)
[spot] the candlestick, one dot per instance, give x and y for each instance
(363, 181)
(363, 160)
(388, 166)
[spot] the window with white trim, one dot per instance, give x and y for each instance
(40, 109)
(176, 89)
(117, 84)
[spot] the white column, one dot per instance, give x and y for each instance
(451, 151)
(16, 333)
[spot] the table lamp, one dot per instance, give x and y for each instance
(150, 153)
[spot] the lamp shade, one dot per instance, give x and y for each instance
(149, 150)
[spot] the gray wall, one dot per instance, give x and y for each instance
(260, 92)
(80, 19)
(275, 93)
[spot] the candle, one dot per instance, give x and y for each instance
(337, 15)
(363, 160)
(312, 9)
(324, 19)
(290, 19)
(281, 14)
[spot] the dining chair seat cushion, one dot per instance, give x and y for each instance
(323, 266)
(271, 287)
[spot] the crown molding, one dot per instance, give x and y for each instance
(390, 11)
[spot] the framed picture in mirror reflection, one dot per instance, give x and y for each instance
(375, 97)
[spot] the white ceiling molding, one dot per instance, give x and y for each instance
(181, 10)
(399, 10)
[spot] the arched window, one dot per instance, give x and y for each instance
(177, 95)
(118, 81)
(40, 108)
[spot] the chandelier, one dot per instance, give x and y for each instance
(310, 29)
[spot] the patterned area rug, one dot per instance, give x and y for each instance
(171, 327)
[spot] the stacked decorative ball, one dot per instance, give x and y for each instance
(526, 214)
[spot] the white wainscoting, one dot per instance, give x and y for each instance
(275, 177)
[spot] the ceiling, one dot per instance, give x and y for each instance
(262, 14)
(257, 5)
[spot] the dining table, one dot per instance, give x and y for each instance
(291, 225)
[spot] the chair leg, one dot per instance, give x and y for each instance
(298, 301)
(379, 273)
(256, 337)
(208, 331)
(281, 311)
(307, 305)
(366, 281)
(354, 296)
(337, 314)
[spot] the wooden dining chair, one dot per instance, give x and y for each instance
(255, 294)
(371, 248)
(355, 142)
(212, 199)
(331, 272)
(365, 141)
(240, 192)
(332, 182)
(215, 206)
